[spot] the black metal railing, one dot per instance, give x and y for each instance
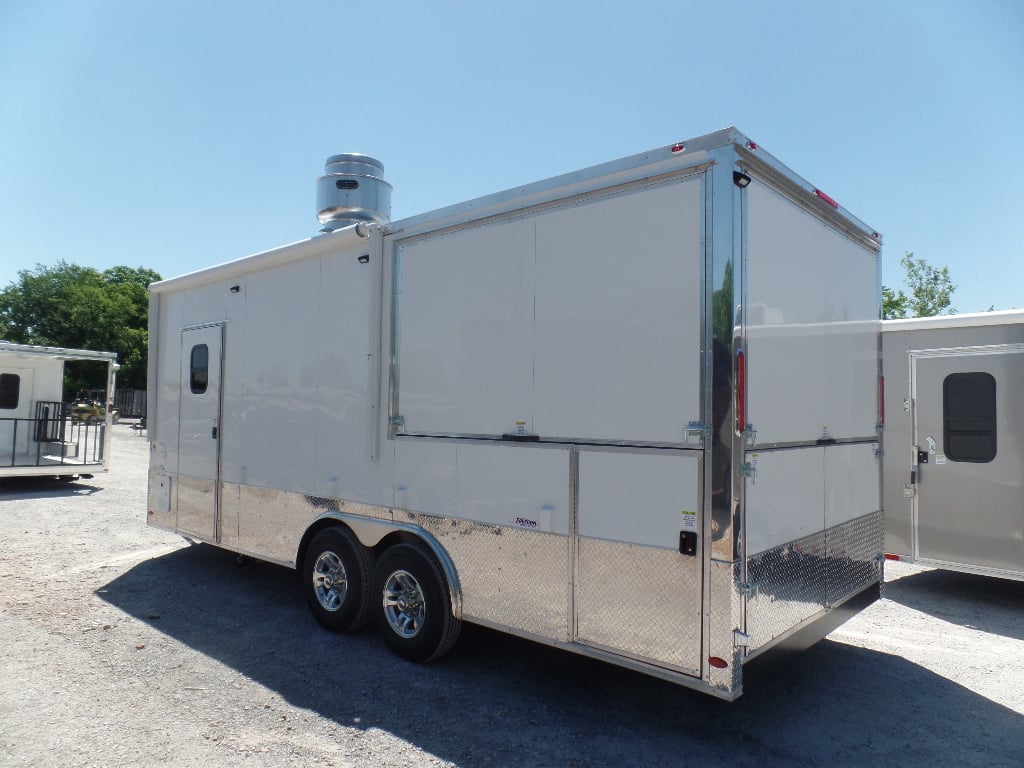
(50, 421)
(53, 438)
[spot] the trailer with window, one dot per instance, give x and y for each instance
(953, 473)
(630, 411)
(41, 431)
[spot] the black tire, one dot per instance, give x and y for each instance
(336, 580)
(412, 604)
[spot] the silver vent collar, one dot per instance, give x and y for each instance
(352, 190)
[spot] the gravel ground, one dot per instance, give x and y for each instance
(121, 645)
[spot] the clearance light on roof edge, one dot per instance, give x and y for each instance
(677, 148)
(826, 198)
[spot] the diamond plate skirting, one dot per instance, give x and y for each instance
(640, 601)
(510, 577)
(792, 583)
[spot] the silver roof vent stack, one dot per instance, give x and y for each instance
(352, 190)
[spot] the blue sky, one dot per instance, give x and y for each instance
(176, 136)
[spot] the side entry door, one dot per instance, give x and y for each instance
(968, 430)
(199, 432)
(15, 412)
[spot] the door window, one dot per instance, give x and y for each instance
(199, 369)
(10, 388)
(969, 417)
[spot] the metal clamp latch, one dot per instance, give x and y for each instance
(749, 436)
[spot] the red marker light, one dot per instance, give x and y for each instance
(881, 400)
(891, 557)
(741, 393)
(826, 198)
(718, 663)
(677, 148)
(751, 146)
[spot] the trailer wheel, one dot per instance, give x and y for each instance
(336, 579)
(414, 609)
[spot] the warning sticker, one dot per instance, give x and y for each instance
(689, 521)
(940, 458)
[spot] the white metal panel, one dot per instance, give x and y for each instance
(811, 324)
(346, 378)
(618, 316)
(639, 498)
(465, 351)
(852, 480)
(273, 437)
(785, 501)
(46, 382)
(425, 476)
(526, 486)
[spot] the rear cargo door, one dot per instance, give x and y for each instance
(199, 432)
(969, 447)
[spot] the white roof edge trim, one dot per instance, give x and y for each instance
(61, 352)
(996, 317)
(318, 245)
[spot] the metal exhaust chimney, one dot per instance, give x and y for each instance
(352, 190)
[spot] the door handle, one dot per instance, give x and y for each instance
(213, 433)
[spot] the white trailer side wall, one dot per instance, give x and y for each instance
(812, 334)
(301, 368)
(582, 322)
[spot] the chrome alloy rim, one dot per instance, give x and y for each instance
(404, 607)
(330, 581)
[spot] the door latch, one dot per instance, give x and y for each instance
(688, 543)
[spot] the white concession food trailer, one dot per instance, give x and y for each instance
(630, 411)
(953, 472)
(41, 433)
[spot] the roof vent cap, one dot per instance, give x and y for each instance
(352, 190)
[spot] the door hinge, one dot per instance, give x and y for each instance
(748, 471)
(398, 424)
(748, 589)
(740, 639)
(749, 436)
(696, 433)
(907, 402)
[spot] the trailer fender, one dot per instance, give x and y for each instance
(371, 532)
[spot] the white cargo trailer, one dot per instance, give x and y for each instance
(42, 433)
(630, 411)
(954, 442)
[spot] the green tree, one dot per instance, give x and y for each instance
(931, 291)
(82, 308)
